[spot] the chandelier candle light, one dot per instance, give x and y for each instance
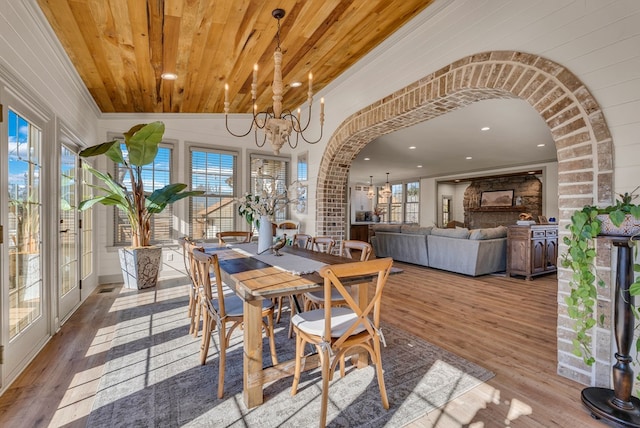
(276, 123)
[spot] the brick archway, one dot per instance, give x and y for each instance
(576, 121)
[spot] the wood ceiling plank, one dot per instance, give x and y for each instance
(61, 19)
(172, 25)
(141, 47)
(201, 54)
(83, 13)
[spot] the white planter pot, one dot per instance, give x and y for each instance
(629, 227)
(140, 266)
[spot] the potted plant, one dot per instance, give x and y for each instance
(141, 262)
(586, 224)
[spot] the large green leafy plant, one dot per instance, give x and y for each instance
(580, 257)
(142, 143)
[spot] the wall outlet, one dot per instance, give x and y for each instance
(170, 257)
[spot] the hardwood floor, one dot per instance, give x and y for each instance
(506, 325)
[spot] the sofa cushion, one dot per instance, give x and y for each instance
(395, 228)
(460, 233)
(415, 229)
(489, 233)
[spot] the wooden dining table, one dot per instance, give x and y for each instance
(254, 281)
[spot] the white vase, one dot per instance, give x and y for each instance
(265, 234)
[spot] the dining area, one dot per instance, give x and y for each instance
(326, 299)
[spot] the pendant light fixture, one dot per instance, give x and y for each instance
(386, 191)
(276, 123)
(371, 193)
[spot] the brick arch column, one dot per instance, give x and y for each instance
(576, 122)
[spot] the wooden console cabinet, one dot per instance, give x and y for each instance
(532, 250)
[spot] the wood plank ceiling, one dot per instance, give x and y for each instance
(121, 47)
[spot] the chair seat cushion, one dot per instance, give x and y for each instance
(319, 295)
(234, 305)
(312, 322)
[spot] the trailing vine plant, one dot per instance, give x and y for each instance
(580, 257)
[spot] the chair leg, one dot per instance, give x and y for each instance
(292, 312)
(206, 337)
(272, 339)
(296, 372)
(279, 304)
(223, 358)
(191, 312)
(199, 314)
(326, 372)
(380, 375)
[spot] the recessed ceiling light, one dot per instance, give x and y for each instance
(169, 76)
(419, 166)
(367, 159)
(531, 172)
(541, 145)
(296, 84)
(485, 128)
(457, 180)
(468, 158)
(412, 147)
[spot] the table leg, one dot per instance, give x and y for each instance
(252, 373)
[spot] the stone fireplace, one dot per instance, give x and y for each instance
(527, 198)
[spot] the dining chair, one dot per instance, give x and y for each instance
(335, 331)
(221, 308)
(193, 309)
(348, 245)
(234, 236)
(323, 244)
(316, 298)
(301, 240)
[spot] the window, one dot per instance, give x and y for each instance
(395, 207)
(446, 210)
(155, 176)
(412, 202)
(214, 172)
(404, 204)
(270, 175)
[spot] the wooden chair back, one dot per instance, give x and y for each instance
(183, 241)
(347, 245)
(237, 235)
(204, 265)
(368, 318)
(323, 244)
(301, 240)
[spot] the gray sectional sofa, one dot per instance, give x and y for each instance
(469, 252)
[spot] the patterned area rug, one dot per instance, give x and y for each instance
(153, 378)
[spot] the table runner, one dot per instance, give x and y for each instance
(291, 263)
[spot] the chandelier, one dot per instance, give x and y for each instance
(386, 191)
(276, 123)
(371, 193)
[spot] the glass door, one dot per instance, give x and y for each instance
(24, 312)
(68, 242)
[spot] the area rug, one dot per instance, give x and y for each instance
(153, 378)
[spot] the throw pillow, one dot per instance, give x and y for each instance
(462, 233)
(489, 233)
